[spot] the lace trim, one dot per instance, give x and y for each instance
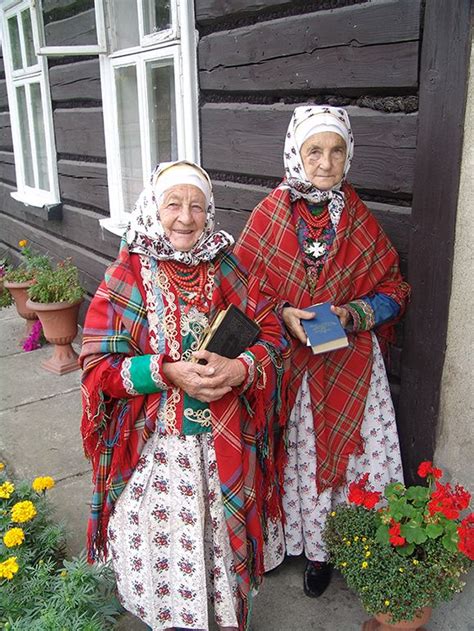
(202, 417)
(249, 358)
(155, 372)
(362, 314)
(126, 378)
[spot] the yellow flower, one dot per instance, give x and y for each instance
(6, 489)
(2, 466)
(42, 484)
(9, 568)
(13, 537)
(63, 573)
(348, 543)
(364, 565)
(22, 243)
(23, 511)
(344, 564)
(386, 603)
(364, 539)
(366, 547)
(367, 554)
(356, 538)
(401, 570)
(415, 561)
(333, 514)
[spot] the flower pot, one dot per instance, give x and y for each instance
(382, 622)
(59, 321)
(20, 296)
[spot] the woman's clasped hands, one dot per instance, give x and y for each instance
(206, 382)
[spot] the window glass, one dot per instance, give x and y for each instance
(123, 16)
(156, 16)
(129, 134)
(69, 22)
(162, 111)
(40, 138)
(15, 43)
(25, 136)
(31, 59)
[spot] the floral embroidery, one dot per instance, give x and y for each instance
(125, 374)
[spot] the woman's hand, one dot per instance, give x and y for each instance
(196, 380)
(343, 315)
(226, 372)
(292, 317)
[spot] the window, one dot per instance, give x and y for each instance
(149, 92)
(30, 109)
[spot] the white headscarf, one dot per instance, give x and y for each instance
(145, 233)
(306, 121)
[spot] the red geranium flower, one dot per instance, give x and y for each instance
(359, 495)
(426, 468)
(466, 536)
(448, 502)
(395, 536)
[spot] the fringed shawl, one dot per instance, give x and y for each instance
(362, 261)
(114, 431)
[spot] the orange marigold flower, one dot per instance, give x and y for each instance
(23, 243)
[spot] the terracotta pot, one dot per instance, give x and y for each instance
(382, 622)
(59, 321)
(20, 296)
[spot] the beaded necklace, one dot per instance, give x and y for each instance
(315, 223)
(188, 282)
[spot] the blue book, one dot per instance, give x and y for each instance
(324, 332)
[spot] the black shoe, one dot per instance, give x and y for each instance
(317, 576)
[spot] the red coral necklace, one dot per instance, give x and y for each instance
(188, 282)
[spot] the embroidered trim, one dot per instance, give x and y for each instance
(126, 378)
(155, 372)
(249, 358)
(202, 416)
(362, 314)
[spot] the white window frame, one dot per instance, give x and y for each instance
(32, 196)
(178, 43)
(39, 37)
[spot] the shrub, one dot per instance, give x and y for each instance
(60, 284)
(29, 267)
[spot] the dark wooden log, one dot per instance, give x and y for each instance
(76, 30)
(208, 10)
(84, 183)
(7, 167)
(80, 132)
(356, 26)
(242, 138)
(445, 52)
(75, 82)
(6, 141)
(4, 105)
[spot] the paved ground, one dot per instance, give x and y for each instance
(39, 435)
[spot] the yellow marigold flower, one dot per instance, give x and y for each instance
(22, 243)
(368, 553)
(42, 484)
(333, 514)
(23, 511)
(364, 565)
(9, 568)
(386, 603)
(2, 466)
(415, 561)
(13, 537)
(6, 489)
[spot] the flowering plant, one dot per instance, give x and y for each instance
(36, 337)
(408, 554)
(29, 266)
(60, 284)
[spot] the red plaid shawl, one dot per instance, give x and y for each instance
(362, 261)
(114, 431)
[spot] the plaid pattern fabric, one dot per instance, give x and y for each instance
(362, 261)
(114, 431)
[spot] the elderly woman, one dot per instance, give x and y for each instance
(312, 240)
(180, 439)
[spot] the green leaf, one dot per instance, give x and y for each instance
(382, 534)
(451, 537)
(418, 494)
(413, 532)
(434, 530)
(395, 489)
(406, 550)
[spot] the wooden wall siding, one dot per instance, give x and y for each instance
(80, 132)
(84, 183)
(208, 10)
(6, 141)
(78, 82)
(360, 47)
(70, 30)
(250, 140)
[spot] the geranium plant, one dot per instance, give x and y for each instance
(60, 284)
(40, 590)
(30, 265)
(409, 553)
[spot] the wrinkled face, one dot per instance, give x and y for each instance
(183, 215)
(324, 157)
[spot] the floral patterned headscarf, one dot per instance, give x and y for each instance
(306, 121)
(145, 233)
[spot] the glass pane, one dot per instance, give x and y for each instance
(25, 136)
(15, 43)
(69, 23)
(156, 15)
(162, 111)
(123, 18)
(31, 59)
(129, 134)
(40, 137)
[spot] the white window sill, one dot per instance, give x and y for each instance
(113, 226)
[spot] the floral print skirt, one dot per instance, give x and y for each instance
(168, 537)
(305, 510)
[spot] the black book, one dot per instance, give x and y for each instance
(230, 333)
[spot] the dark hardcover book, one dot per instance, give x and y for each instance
(230, 333)
(325, 332)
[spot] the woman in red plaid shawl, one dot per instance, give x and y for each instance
(181, 450)
(313, 240)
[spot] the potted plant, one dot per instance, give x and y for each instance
(56, 296)
(17, 280)
(409, 555)
(5, 296)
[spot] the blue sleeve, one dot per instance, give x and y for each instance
(384, 308)
(371, 311)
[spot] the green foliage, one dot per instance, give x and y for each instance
(60, 284)
(5, 298)
(29, 267)
(47, 592)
